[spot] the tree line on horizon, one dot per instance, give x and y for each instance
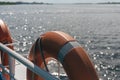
(15, 3)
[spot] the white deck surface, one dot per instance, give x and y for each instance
(20, 71)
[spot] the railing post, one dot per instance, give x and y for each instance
(11, 67)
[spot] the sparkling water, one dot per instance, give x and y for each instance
(96, 28)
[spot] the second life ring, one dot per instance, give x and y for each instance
(64, 48)
(5, 38)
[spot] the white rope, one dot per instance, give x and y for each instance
(15, 42)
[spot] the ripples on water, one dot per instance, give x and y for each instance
(96, 27)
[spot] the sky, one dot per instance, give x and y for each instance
(65, 1)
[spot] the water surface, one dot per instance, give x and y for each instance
(96, 28)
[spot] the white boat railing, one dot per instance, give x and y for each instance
(27, 63)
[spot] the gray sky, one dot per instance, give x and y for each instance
(66, 1)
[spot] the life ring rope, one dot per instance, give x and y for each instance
(39, 44)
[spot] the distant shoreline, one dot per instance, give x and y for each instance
(18, 3)
(41, 3)
(109, 3)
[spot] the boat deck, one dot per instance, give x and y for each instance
(20, 71)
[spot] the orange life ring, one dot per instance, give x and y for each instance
(67, 50)
(5, 38)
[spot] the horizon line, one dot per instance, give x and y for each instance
(36, 2)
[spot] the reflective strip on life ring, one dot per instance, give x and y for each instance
(5, 38)
(61, 46)
(66, 48)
